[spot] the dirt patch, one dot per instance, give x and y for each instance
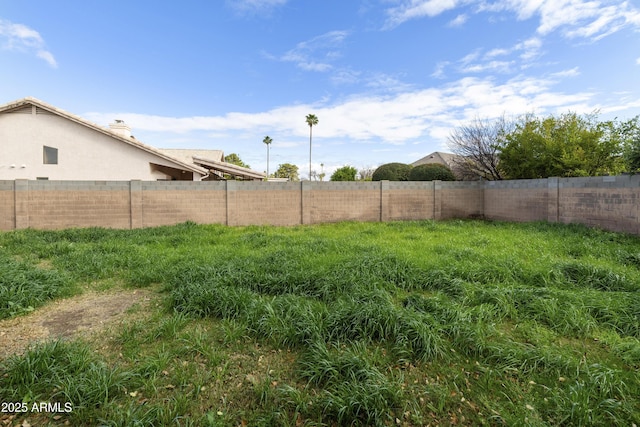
(85, 314)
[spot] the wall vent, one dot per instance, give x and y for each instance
(26, 109)
(43, 111)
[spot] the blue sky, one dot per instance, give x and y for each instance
(387, 79)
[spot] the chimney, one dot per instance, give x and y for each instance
(121, 128)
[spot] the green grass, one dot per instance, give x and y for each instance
(24, 286)
(410, 323)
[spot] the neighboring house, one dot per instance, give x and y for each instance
(452, 161)
(446, 159)
(40, 141)
(437, 157)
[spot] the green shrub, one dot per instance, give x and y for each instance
(392, 172)
(431, 172)
(345, 173)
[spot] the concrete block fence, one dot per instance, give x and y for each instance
(607, 202)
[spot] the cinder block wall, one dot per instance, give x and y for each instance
(517, 200)
(612, 203)
(408, 201)
(340, 201)
(461, 199)
(172, 202)
(7, 205)
(264, 203)
(66, 204)
(609, 202)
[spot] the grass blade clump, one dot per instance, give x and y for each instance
(419, 338)
(366, 316)
(207, 297)
(619, 311)
(322, 365)
(169, 412)
(372, 265)
(598, 396)
(439, 306)
(589, 276)
(559, 310)
(353, 390)
(24, 287)
(68, 373)
(627, 348)
(290, 320)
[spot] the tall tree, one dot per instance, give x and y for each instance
(477, 145)
(234, 159)
(287, 170)
(565, 145)
(312, 120)
(268, 142)
(630, 132)
(345, 173)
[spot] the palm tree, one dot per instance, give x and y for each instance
(312, 120)
(268, 142)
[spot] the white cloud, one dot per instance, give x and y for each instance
(497, 52)
(459, 20)
(500, 60)
(567, 73)
(529, 49)
(48, 57)
(400, 118)
(473, 56)
(317, 53)
(412, 9)
(591, 19)
(345, 76)
(365, 122)
(491, 66)
(255, 5)
(19, 37)
(439, 72)
(386, 83)
(314, 66)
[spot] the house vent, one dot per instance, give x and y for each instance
(43, 111)
(22, 110)
(30, 109)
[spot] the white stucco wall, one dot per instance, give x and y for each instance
(83, 153)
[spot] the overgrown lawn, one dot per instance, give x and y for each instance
(402, 323)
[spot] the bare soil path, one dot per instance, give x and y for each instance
(80, 315)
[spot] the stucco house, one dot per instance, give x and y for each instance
(40, 141)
